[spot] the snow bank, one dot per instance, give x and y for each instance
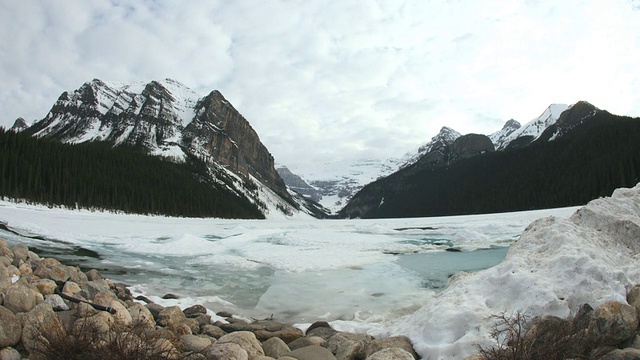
(555, 266)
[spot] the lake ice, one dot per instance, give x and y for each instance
(385, 277)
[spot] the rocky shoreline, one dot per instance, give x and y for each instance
(52, 311)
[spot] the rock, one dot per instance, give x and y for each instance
(25, 269)
(20, 253)
(20, 298)
(194, 311)
(91, 288)
(84, 310)
(613, 323)
(10, 354)
(312, 352)
(247, 340)
(59, 273)
(68, 318)
(345, 348)
(633, 298)
(170, 296)
(195, 343)
(227, 351)
(476, 357)
(45, 286)
(624, 354)
(166, 348)
(582, 318)
(170, 316)
(399, 342)
(141, 316)
(306, 341)
(275, 347)
(56, 302)
(71, 288)
(41, 325)
(94, 274)
(203, 319)
(548, 335)
(10, 328)
(321, 329)
(391, 354)
(100, 323)
(264, 330)
(224, 314)
(155, 309)
(212, 330)
(634, 342)
(193, 325)
(76, 275)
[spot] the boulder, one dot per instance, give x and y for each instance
(41, 326)
(195, 343)
(624, 354)
(170, 316)
(76, 275)
(100, 324)
(548, 335)
(10, 354)
(399, 342)
(56, 302)
(275, 347)
(141, 316)
(312, 352)
(345, 348)
(321, 329)
(20, 298)
(71, 288)
(212, 330)
(155, 309)
(391, 354)
(264, 330)
(59, 273)
(227, 351)
(45, 286)
(306, 341)
(582, 318)
(633, 298)
(194, 311)
(613, 323)
(10, 328)
(94, 274)
(247, 340)
(20, 253)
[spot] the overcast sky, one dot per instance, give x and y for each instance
(324, 80)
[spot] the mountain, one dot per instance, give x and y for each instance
(558, 159)
(502, 137)
(167, 119)
(19, 125)
(297, 184)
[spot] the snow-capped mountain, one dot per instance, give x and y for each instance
(434, 149)
(503, 136)
(165, 118)
(19, 125)
(532, 130)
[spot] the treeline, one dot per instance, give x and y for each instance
(95, 175)
(591, 161)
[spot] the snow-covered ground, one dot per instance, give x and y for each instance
(380, 276)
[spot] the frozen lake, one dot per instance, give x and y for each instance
(298, 271)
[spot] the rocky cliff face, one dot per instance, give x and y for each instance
(297, 184)
(502, 137)
(165, 118)
(471, 145)
(19, 125)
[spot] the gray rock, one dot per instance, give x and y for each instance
(195, 343)
(624, 354)
(141, 316)
(275, 347)
(613, 323)
(321, 329)
(264, 330)
(76, 275)
(345, 348)
(56, 302)
(10, 354)
(213, 331)
(306, 341)
(400, 342)
(227, 351)
(247, 340)
(20, 253)
(312, 352)
(10, 328)
(582, 318)
(548, 335)
(94, 274)
(194, 311)
(41, 323)
(391, 354)
(20, 298)
(170, 316)
(633, 298)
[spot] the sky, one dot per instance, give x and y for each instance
(333, 80)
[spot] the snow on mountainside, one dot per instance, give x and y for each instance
(532, 130)
(438, 143)
(165, 118)
(338, 181)
(502, 137)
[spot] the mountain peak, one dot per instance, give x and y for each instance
(19, 125)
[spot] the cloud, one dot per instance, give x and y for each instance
(331, 80)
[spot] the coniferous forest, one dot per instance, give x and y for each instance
(590, 161)
(95, 175)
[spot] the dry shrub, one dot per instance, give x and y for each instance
(508, 331)
(92, 342)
